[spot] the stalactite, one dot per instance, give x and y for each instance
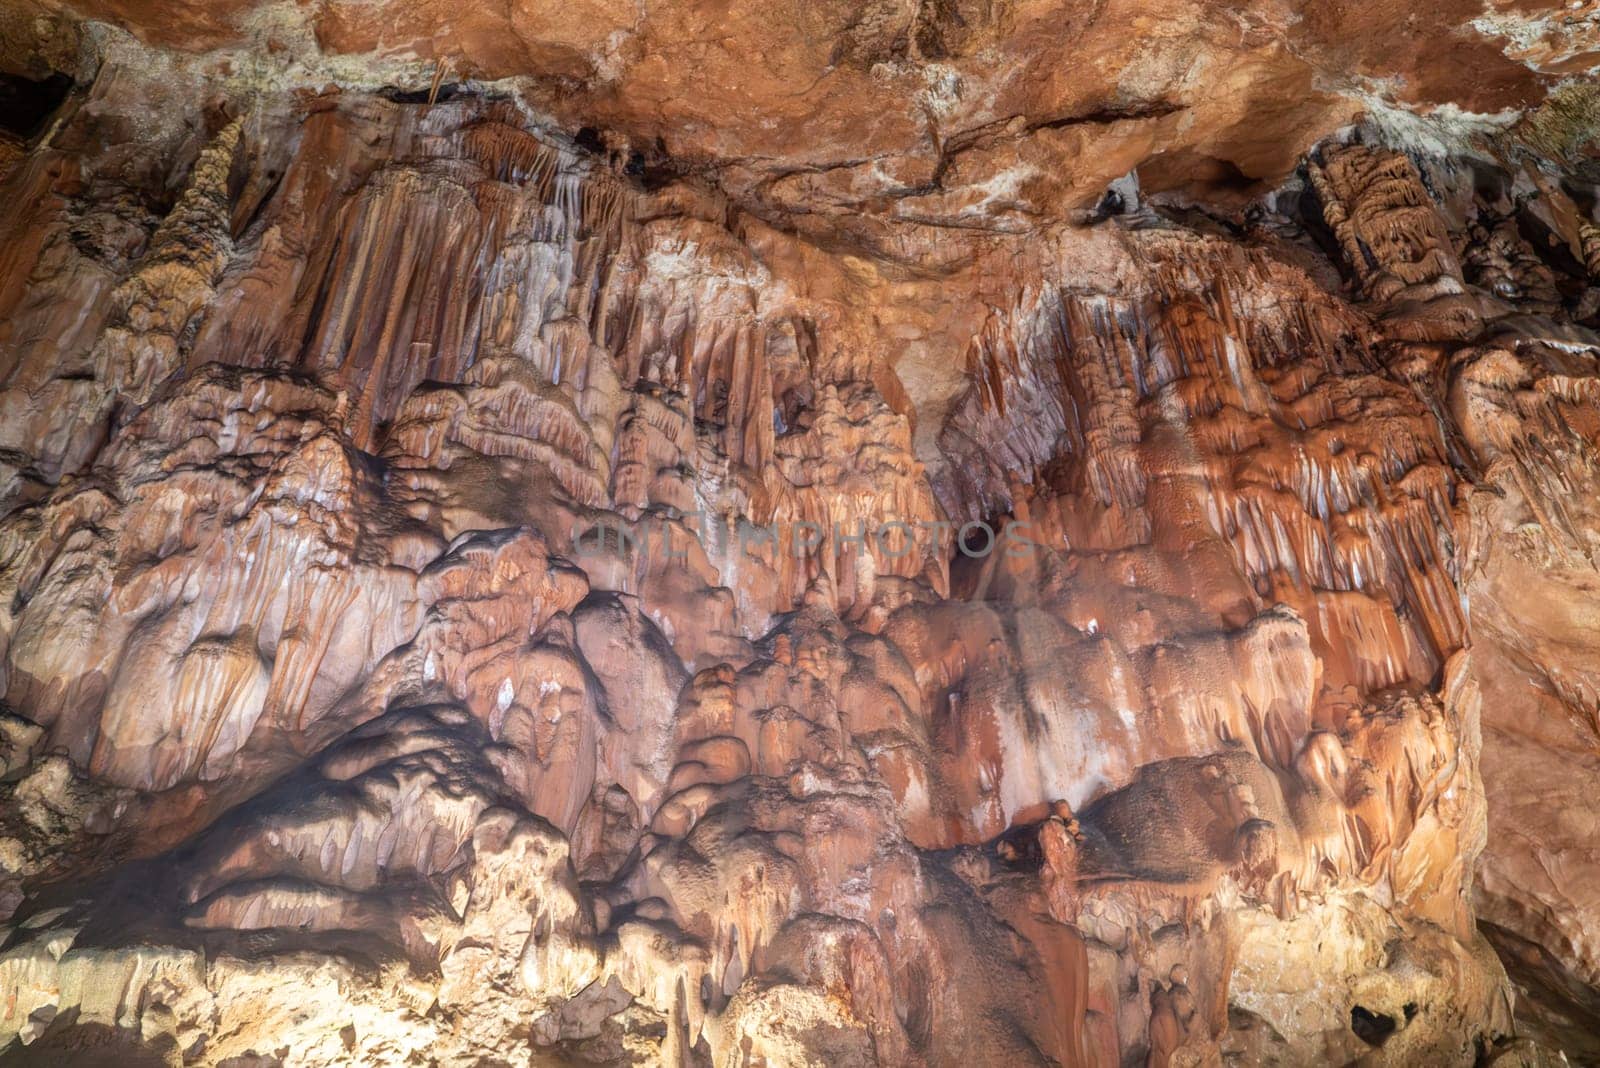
(516, 589)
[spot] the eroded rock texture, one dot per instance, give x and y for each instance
(1037, 571)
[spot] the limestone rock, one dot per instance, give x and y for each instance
(892, 534)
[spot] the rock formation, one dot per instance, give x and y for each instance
(893, 534)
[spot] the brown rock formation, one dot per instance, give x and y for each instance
(528, 536)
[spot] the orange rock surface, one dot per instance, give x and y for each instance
(902, 534)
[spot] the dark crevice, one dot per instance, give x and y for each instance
(1106, 116)
(589, 140)
(1112, 203)
(1367, 257)
(1310, 213)
(255, 210)
(1373, 1028)
(26, 104)
(447, 91)
(654, 168)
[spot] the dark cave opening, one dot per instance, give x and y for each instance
(1373, 1028)
(26, 104)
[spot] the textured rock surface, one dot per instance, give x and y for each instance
(995, 535)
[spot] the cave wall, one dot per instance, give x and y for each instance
(393, 668)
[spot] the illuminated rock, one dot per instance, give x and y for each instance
(881, 554)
